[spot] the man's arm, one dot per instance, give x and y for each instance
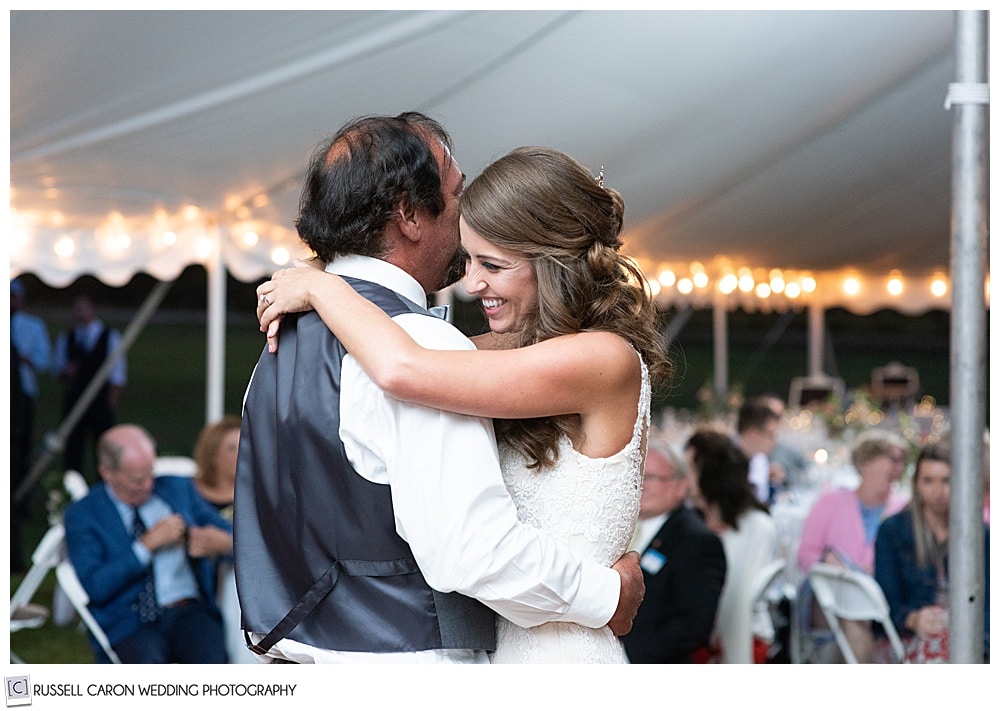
(453, 509)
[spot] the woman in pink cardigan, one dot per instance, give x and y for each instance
(840, 529)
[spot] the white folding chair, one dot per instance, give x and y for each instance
(24, 614)
(79, 599)
(174, 466)
(844, 593)
(764, 580)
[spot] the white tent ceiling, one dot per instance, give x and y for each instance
(794, 140)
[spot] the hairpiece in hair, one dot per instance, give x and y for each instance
(600, 177)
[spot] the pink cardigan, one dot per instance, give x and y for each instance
(835, 522)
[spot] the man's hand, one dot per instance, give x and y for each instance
(205, 541)
(168, 531)
(633, 590)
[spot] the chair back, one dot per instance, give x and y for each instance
(74, 483)
(845, 593)
(765, 578)
(174, 466)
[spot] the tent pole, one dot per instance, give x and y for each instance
(969, 97)
(215, 357)
(719, 327)
(53, 442)
(815, 351)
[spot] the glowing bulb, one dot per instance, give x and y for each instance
(280, 255)
(939, 287)
(700, 280)
(64, 247)
(746, 282)
(808, 284)
(685, 286)
(763, 290)
(654, 288)
(777, 281)
(895, 286)
(728, 284)
(793, 290)
(852, 287)
(169, 238)
(250, 239)
(667, 278)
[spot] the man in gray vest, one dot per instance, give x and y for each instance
(369, 526)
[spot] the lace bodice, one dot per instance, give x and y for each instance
(592, 505)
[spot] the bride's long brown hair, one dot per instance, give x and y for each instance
(546, 206)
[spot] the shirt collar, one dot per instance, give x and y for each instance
(380, 272)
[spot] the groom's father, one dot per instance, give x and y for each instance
(366, 525)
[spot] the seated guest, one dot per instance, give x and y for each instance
(840, 530)
(683, 566)
(757, 427)
(215, 455)
(911, 561)
(788, 462)
(143, 548)
(721, 491)
(215, 458)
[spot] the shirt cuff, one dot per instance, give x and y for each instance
(597, 598)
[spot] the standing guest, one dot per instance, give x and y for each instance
(144, 549)
(840, 530)
(756, 434)
(911, 561)
(722, 492)
(80, 353)
(31, 355)
(408, 501)
(683, 565)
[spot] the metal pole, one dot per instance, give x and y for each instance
(815, 351)
(215, 356)
(719, 338)
(969, 98)
(54, 441)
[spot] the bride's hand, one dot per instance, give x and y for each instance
(287, 291)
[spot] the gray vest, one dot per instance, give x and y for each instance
(317, 556)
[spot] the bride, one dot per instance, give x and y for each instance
(566, 368)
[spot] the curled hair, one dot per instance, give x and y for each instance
(722, 470)
(358, 178)
(546, 206)
(209, 440)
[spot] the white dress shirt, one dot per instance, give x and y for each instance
(450, 501)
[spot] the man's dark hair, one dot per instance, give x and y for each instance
(754, 415)
(358, 178)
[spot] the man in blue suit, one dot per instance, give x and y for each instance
(683, 565)
(143, 548)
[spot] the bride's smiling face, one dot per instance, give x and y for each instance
(504, 281)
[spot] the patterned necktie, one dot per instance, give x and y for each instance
(148, 609)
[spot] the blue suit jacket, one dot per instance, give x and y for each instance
(100, 549)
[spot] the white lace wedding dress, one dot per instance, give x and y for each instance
(591, 504)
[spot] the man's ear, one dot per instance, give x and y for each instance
(406, 217)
